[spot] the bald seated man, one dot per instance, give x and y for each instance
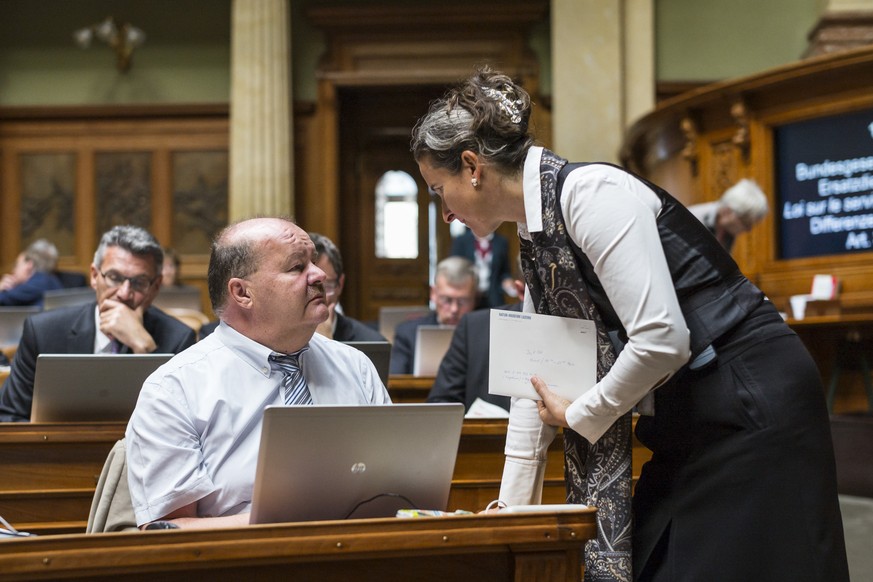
(192, 442)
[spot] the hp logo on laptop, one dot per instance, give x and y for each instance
(358, 468)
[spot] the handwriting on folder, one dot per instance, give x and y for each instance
(560, 350)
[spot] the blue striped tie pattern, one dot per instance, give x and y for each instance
(293, 383)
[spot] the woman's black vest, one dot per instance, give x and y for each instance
(713, 294)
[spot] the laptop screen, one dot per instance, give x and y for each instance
(431, 344)
(12, 323)
(347, 462)
(390, 317)
(379, 353)
(90, 387)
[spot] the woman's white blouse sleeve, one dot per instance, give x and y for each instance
(612, 217)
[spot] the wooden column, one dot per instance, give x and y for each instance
(261, 138)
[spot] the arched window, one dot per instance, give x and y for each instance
(396, 216)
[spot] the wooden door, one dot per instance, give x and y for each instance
(375, 128)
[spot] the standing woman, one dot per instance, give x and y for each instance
(741, 485)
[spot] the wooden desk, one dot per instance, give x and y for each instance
(49, 471)
(512, 547)
(832, 339)
(408, 388)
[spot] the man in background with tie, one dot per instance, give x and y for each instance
(490, 254)
(453, 294)
(126, 276)
(192, 442)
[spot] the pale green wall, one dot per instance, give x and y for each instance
(708, 40)
(186, 58)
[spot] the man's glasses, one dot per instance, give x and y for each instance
(461, 302)
(140, 284)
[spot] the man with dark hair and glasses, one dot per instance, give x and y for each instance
(453, 294)
(338, 326)
(126, 276)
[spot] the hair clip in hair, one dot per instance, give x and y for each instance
(507, 105)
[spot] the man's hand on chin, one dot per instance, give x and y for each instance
(120, 322)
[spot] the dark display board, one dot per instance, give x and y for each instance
(824, 186)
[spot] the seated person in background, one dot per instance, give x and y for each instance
(337, 326)
(192, 441)
(741, 207)
(453, 293)
(463, 373)
(490, 254)
(126, 277)
(32, 275)
(170, 269)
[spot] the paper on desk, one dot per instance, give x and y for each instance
(482, 409)
(560, 350)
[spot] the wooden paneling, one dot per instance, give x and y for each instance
(154, 134)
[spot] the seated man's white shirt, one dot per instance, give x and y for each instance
(101, 340)
(195, 433)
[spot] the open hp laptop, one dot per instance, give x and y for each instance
(178, 298)
(90, 387)
(431, 344)
(12, 323)
(66, 297)
(339, 462)
(390, 317)
(379, 353)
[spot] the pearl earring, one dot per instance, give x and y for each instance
(475, 183)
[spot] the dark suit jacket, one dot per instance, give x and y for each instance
(71, 330)
(352, 330)
(463, 373)
(31, 291)
(403, 349)
(465, 246)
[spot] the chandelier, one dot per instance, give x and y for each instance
(122, 37)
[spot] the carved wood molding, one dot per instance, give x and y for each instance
(688, 126)
(741, 138)
(840, 31)
(424, 44)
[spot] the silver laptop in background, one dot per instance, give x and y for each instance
(178, 298)
(390, 317)
(67, 297)
(12, 323)
(431, 344)
(90, 387)
(379, 353)
(349, 462)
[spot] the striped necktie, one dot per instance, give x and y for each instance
(293, 383)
